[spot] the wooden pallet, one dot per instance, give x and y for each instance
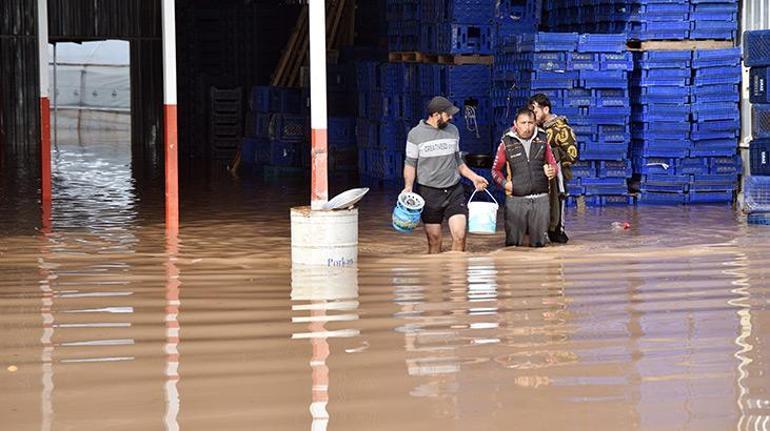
(678, 45)
(421, 57)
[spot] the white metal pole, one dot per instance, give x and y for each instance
(318, 116)
(55, 101)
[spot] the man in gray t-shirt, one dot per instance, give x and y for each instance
(433, 160)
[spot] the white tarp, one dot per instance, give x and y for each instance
(91, 75)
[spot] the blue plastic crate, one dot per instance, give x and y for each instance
(658, 152)
(759, 157)
(601, 42)
(714, 11)
(726, 165)
(731, 73)
(611, 97)
(712, 183)
(467, 39)
(652, 30)
(467, 11)
(716, 93)
(260, 98)
(653, 165)
(341, 130)
(283, 153)
(583, 61)
(662, 198)
(716, 57)
(367, 133)
(608, 133)
(618, 169)
(596, 151)
(389, 132)
(289, 127)
(465, 80)
(665, 74)
(392, 164)
(665, 183)
(757, 193)
(616, 61)
(583, 169)
(665, 59)
(703, 149)
(578, 97)
(604, 186)
(560, 42)
(609, 200)
(708, 135)
(756, 48)
(692, 166)
(714, 111)
(758, 78)
(660, 133)
(654, 82)
(477, 140)
(710, 197)
(714, 34)
(731, 124)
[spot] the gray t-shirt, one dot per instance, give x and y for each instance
(435, 153)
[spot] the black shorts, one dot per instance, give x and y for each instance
(441, 204)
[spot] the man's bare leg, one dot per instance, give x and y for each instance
(433, 232)
(457, 225)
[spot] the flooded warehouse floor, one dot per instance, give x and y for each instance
(104, 324)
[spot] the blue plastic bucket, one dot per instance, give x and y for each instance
(406, 213)
(482, 216)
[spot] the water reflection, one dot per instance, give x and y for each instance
(173, 330)
(321, 296)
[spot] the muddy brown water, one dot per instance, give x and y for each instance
(106, 324)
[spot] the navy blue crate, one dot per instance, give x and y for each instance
(725, 165)
(465, 80)
(658, 152)
(663, 11)
(665, 183)
(596, 151)
(466, 39)
(732, 124)
(710, 197)
(714, 12)
(429, 77)
(578, 97)
(611, 97)
(571, 202)
(662, 198)
(704, 135)
(608, 133)
(714, 34)
(367, 133)
(289, 127)
(758, 78)
(606, 75)
(716, 57)
(672, 126)
(660, 133)
(675, 111)
(680, 144)
(707, 150)
(583, 169)
(714, 111)
(560, 42)
(724, 74)
(707, 183)
(653, 82)
(666, 30)
(259, 100)
(692, 166)
(583, 129)
(654, 165)
(759, 157)
(392, 164)
(618, 169)
(468, 11)
(341, 130)
(716, 93)
(601, 43)
(583, 61)
(389, 133)
(659, 116)
(476, 140)
(664, 59)
(661, 94)
(756, 48)
(616, 61)
(604, 186)
(665, 74)
(388, 78)
(757, 193)
(609, 200)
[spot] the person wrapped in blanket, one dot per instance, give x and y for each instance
(561, 139)
(524, 165)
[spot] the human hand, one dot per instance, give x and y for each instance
(480, 182)
(550, 171)
(407, 189)
(509, 187)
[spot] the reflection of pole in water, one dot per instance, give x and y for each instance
(748, 421)
(171, 347)
(46, 356)
(327, 289)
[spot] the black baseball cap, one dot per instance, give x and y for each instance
(442, 104)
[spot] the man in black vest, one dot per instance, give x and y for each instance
(524, 165)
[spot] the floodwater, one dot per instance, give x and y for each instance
(107, 324)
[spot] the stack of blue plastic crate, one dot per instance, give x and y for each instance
(514, 17)
(715, 125)
(392, 100)
(660, 94)
(404, 24)
(585, 76)
(645, 19)
(713, 19)
(457, 26)
(276, 128)
(756, 55)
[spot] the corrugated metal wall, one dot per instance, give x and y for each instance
(19, 80)
(755, 15)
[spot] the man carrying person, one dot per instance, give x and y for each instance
(562, 141)
(433, 161)
(524, 165)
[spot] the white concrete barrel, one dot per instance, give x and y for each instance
(324, 238)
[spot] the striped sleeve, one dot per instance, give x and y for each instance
(412, 153)
(499, 165)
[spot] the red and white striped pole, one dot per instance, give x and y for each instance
(319, 194)
(170, 117)
(45, 106)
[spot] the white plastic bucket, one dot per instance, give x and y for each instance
(482, 216)
(323, 237)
